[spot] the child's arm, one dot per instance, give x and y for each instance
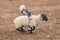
(23, 12)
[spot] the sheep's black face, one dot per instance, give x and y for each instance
(44, 17)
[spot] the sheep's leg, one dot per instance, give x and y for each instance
(21, 29)
(18, 29)
(31, 29)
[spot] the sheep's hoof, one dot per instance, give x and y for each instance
(21, 30)
(33, 28)
(30, 31)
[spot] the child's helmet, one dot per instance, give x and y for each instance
(22, 7)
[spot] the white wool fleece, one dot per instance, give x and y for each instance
(23, 20)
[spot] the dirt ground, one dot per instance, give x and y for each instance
(50, 30)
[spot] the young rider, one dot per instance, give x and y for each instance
(26, 12)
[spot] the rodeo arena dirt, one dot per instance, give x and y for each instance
(50, 30)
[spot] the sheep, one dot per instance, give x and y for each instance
(22, 21)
